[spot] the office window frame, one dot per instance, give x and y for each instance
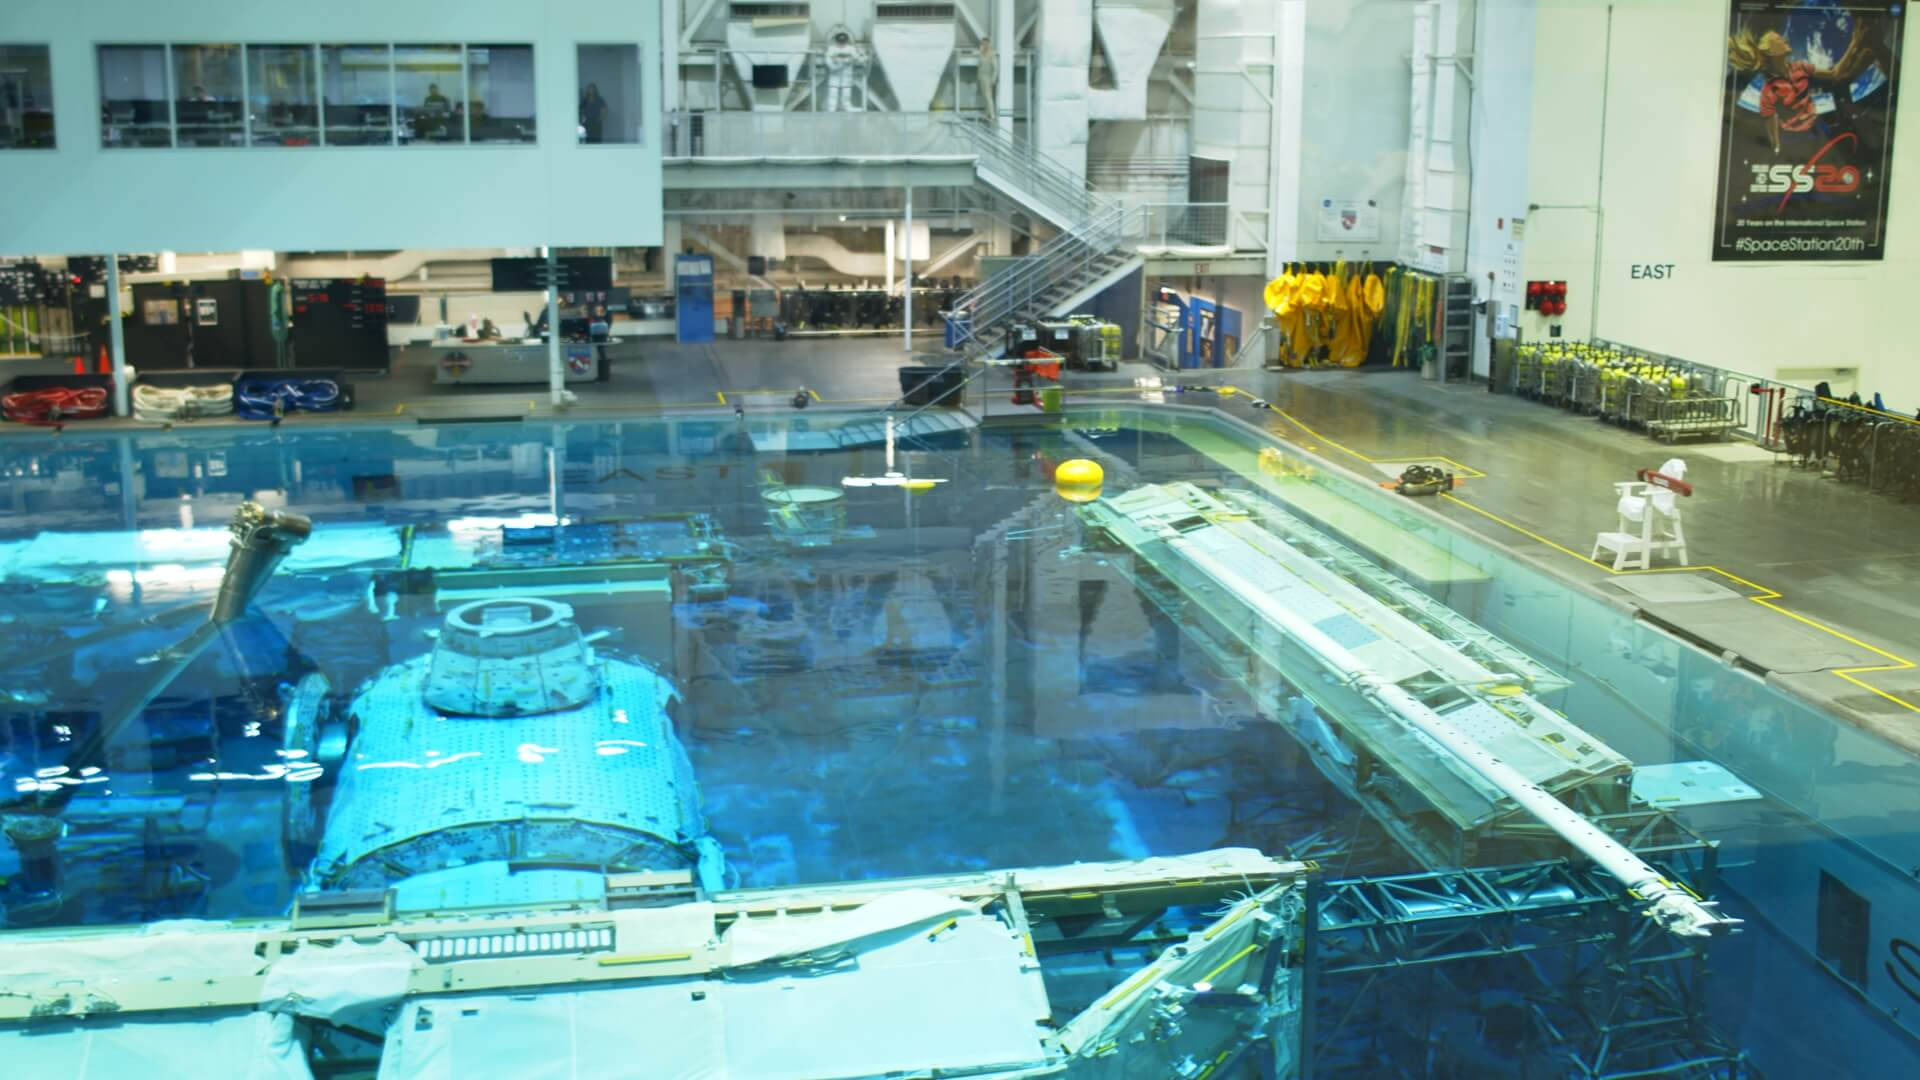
(46, 60)
(533, 88)
(100, 91)
(318, 88)
(243, 127)
(460, 98)
(393, 113)
(640, 88)
(319, 52)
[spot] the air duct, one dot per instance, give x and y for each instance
(913, 44)
(768, 43)
(1131, 34)
(1063, 40)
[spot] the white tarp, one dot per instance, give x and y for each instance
(326, 982)
(244, 1046)
(918, 998)
(760, 939)
(169, 946)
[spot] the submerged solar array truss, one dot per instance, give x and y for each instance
(1589, 989)
(1438, 745)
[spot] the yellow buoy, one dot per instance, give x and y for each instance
(1078, 480)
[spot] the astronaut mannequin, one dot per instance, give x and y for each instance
(845, 60)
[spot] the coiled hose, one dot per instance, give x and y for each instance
(54, 405)
(164, 403)
(268, 399)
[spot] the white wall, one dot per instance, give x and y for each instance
(1502, 108)
(1661, 144)
(1355, 125)
(82, 198)
(1234, 78)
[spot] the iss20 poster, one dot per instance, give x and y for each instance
(1806, 141)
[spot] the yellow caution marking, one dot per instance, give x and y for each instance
(643, 958)
(1765, 596)
(1127, 989)
(1230, 961)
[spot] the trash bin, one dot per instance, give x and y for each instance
(959, 328)
(925, 385)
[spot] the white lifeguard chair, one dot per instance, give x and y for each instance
(1648, 513)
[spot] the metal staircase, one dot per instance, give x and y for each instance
(1096, 245)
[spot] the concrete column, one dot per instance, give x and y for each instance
(890, 254)
(1005, 51)
(1289, 117)
(116, 336)
(907, 337)
(999, 238)
(556, 371)
(670, 244)
(670, 57)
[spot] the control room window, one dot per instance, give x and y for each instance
(207, 105)
(357, 94)
(430, 90)
(500, 99)
(26, 98)
(283, 94)
(135, 104)
(609, 94)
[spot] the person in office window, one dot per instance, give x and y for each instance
(593, 114)
(435, 101)
(199, 93)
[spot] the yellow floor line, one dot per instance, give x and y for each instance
(1765, 599)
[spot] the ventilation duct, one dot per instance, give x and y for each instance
(768, 43)
(1131, 34)
(1063, 50)
(913, 44)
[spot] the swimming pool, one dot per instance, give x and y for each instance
(825, 665)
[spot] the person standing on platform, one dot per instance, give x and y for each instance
(593, 115)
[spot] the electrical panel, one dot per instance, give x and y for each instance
(339, 323)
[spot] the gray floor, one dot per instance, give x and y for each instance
(1841, 561)
(1831, 565)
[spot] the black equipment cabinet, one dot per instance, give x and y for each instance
(199, 324)
(338, 323)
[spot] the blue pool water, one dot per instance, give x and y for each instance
(850, 705)
(873, 680)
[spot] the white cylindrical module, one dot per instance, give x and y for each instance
(511, 762)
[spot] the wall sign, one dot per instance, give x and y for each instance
(1651, 271)
(1806, 140)
(1349, 219)
(206, 311)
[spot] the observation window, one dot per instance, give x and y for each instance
(26, 98)
(135, 109)
(283, 95)
(609, 94)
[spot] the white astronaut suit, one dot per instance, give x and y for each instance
(846, 61)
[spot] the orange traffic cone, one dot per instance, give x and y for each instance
(79, 363)
(106, 362)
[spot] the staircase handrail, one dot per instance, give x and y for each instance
(1023, 163)
(1004, 293)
